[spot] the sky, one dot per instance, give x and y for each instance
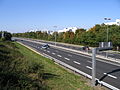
(24, 15)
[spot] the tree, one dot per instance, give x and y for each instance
(7, 35)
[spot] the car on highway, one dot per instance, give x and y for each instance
(45, 46)
(85, 48)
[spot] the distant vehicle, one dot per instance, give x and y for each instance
(45, 46)
(85, 48)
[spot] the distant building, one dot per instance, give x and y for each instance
(113, 23)
(70, 29)
(50, 32)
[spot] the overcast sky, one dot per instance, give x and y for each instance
(24, 15)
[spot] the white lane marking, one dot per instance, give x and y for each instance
(88, 67)
(59, 55)
(38, 47)
(111, 76)
(69, 55)
(76, 62)
(44, 50)
(89, 61)
(53, 53)
(67, 58)
(48, 51)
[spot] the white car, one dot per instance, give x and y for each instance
(46, 46)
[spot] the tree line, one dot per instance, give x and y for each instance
(90, 37)
(4, 35)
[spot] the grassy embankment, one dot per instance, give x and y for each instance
(17, 72)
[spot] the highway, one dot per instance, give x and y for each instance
(106, 72)
(79, 48)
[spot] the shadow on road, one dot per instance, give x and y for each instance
(103, 77)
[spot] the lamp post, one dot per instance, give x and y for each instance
(107, 28)
(55, 33)
(107, 34)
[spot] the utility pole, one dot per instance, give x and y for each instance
(55, 33)
(107, 39)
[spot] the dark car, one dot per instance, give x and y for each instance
(45, 46)
(85, 48)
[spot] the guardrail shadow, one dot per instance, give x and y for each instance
(103, 77)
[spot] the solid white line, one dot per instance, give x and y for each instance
(59, 55)
(53, 53)
(111, 76)
(76, 62)
(67, 58)
(88, 67)
(89, 61)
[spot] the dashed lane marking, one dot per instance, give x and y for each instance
(89, 67)
(76, 62)
(53, 53)
(110, 75)
(67, 58)
(59, 55)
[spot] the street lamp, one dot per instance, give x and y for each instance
(55, 33)
(107, 34)
(107, 28)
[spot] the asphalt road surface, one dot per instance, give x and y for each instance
(109, 54)
(107, 72)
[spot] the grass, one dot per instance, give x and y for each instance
(56, 77)
(18, 72)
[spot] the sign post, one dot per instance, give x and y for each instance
(103, 46)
